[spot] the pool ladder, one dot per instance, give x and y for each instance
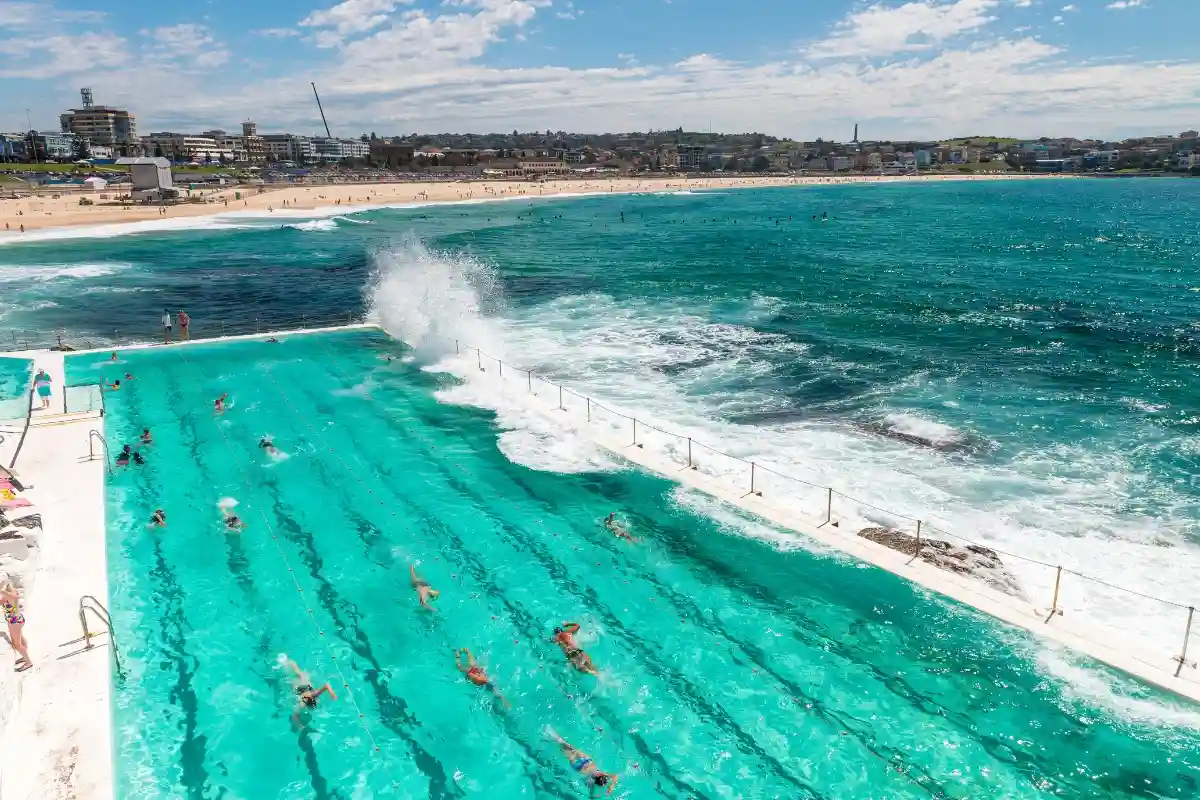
(88, 603)
(93, 435)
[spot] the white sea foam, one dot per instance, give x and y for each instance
(314, 225)
(670, 367)
(49, 272)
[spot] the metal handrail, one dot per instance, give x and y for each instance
(94, 434)
(24, 431)
(88, 603)
(100, 391)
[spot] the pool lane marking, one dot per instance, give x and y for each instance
(295, 582)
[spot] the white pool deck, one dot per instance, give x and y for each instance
(57, 737)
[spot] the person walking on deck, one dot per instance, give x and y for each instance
(41, 382)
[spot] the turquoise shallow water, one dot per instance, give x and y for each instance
(730, 668)
(15, 376)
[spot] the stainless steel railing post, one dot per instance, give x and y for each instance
(1187, 635)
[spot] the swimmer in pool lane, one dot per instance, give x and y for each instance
(423, 589)
(616, 527)
(219, 405)
(232, 521)
(159, 519)
(124, 457)
(267, 444)
(302, 686)
(115, 386)
(582, 763)
(146, 438)
(564, 637)
(476, 674)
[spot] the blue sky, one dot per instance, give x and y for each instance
(798, 68)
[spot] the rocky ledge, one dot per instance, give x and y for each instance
(972, 559)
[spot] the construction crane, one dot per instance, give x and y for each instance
(327, 133)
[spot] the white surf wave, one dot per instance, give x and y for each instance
(628, 356)
(314, 225)
(49, 272)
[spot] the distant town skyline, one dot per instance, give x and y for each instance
(922, 69)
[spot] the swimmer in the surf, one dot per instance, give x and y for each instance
(476, 674)
(582, 763)
(616, 527)
(423, 589)
(564, 637)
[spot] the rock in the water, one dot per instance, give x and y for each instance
(972, 559)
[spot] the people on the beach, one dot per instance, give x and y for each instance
(10, 600)
(166, 323)
(564, 637)
(476, 674)
(303, 688)
(582, 763)
(41, 382)
(422, 588)
(616, 527)
(159, 518)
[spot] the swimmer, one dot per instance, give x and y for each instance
(582, 763)
(124, 456)
(302, 686)
(146, 439)
(113, 357)
(115, 386)
(616, 527)
(232, 521)
(138, 459)
(128, 376)
(272, 340)
(564, 637)
(476, 674)
(266, 444)
(423, 589)
(219, 405)
(159, 520)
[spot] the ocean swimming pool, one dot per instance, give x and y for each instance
(730, 669)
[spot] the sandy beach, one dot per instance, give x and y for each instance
(43, 211)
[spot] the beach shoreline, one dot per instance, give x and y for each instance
(43, 212)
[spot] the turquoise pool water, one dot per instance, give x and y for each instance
(15, 374)
(729, 668)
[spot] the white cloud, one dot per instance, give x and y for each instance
(1069, 8)
(919, 25)
(1057, 19)
(277, 33)
(18, 15)
(348, 18)
(1023, 3)
(1120, 4)
(55, 56)
(186, 43)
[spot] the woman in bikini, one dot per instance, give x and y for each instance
(303, 688)
(582, 763)
(10, 600)
(476, 674)
(423, 589)
(564, 637)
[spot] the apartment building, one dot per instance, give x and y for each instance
(102, 125)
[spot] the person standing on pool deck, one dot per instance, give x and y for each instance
(166, 323)
(422, 587)
(582, 763)
(477, 675)
(10, 598)
(184, 321)
(41, 382)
